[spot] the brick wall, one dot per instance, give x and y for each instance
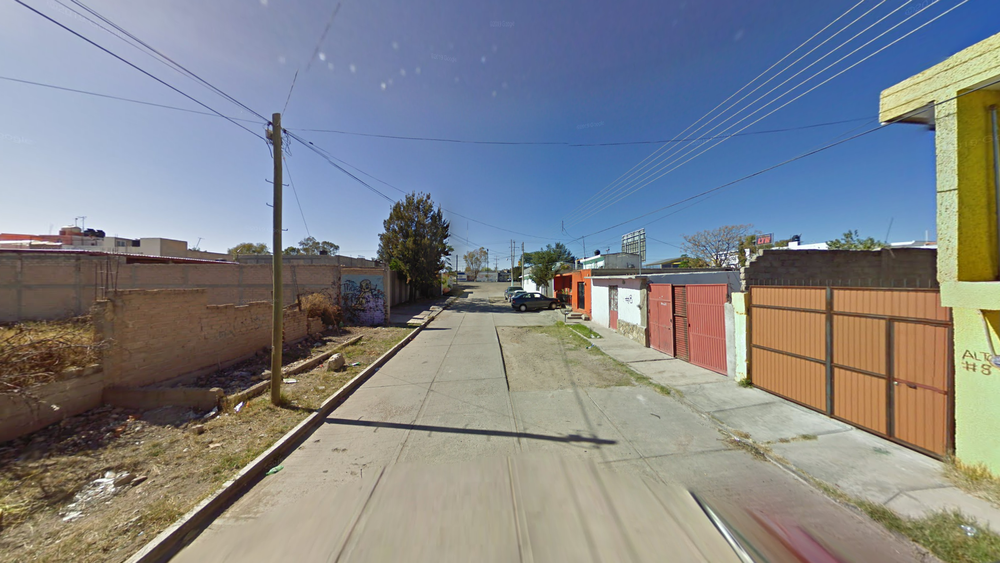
(901, 267)
(160, 334)
(50, 286)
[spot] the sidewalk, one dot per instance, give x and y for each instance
(860, 464)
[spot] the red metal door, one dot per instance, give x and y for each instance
(661, 317)
(707, 322)
(681, 323)
(613, 307)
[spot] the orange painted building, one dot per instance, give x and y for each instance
(577, 284)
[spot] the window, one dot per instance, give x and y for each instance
(121, 242)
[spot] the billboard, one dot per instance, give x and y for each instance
(635, 243)
(765, 239)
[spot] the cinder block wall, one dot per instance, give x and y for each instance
(53, 286)
(901, 267)
(160, 334)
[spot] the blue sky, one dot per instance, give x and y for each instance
(575, 72)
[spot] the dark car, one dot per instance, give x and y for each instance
(533, 301)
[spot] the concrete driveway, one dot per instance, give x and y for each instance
(444, 399)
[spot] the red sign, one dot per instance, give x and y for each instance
(765, 239)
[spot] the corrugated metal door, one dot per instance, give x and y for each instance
(681, 323)
(613, 307)
(707, 320)
(879, 359)
(661, 317)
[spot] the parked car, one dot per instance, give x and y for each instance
(533, 301)
(517, 293)
(511, 290)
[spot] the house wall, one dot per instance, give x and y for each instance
(728, 277)
(570, 280)
(967, 229)
(599, 304)
(364, 296)
(900, 267)
(157, 335)
(48, 286)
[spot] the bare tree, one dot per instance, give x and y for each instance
(718, 247)
(475, 260)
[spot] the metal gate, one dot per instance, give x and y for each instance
(613, 307)
(680, 323)
(661, 317)
(707, 325)
(880, 359)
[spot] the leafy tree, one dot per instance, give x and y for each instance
(689, 262)
(851, 241)
(416, 238)
(312, 247)
(475, 260)
(543, 269)
(716, 247)
(559, 252)
(249, 248)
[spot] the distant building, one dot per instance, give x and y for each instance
(617, 260)
(75, 238)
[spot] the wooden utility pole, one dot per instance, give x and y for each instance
(277, 289)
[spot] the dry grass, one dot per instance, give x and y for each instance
(321, 306)
(974, 479)
(40, 473)
(35, 352)
(951, 536)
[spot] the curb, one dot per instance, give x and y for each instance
(181, 533)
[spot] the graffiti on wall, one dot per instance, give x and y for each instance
(364, 299)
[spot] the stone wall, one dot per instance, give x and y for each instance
(634, 331)
(900, 267)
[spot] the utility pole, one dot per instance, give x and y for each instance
(512, 262)
(277, 289)
(522, 264)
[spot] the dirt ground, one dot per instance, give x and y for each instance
(98, 486)
(37, 352)
(551, 358)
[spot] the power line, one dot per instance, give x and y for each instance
(745, 86)
(647, 182)
(136, 67)
(783, 163)
(171, 61)
(329, 157)
(568, 144)
(288, 170)
(121, 99)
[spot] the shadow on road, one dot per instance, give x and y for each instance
(502, 433)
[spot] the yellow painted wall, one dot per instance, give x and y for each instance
(968, 258)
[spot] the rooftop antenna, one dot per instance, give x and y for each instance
(83, 221)
(198, 244)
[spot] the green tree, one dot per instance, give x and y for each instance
(543, 265)
(475, 260)
(311, 247)
(249, 248)
(416, 238)
(749, 243)
(851, 241)
(559, 253)
(690, 262)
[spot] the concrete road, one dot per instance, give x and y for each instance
(444, 399)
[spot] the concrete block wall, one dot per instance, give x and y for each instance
(51, 286)
(901, 267)
(156, 335)
(46, 404)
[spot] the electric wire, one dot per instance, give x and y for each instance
(647, 182)
(121, 99)
(136, 67)
(569, 144)
(790, 53)
(631, 183)
(168, 59)
(319, 44)
(785, 162)
(295, 192)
